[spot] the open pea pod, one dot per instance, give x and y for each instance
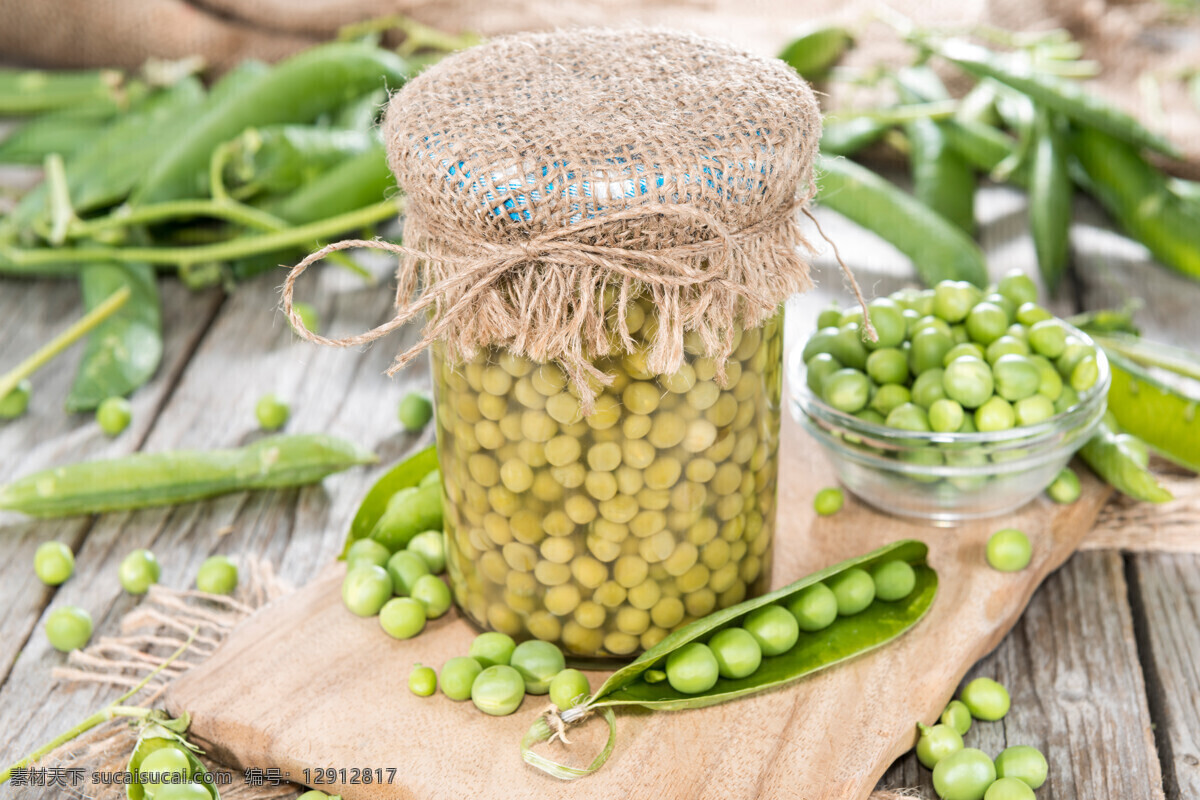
(406, 474)
(845, 638)
(1163, 417)
(157, 736)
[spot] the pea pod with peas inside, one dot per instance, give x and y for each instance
(163, 761)
(1149, 409)
(843, 638)
(1116, 458)
(414, 475)
(143, 480)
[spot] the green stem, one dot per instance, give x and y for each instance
(226, 209)
(64, 340)
(221, 251)
(939, 109)
(416, 35)
(61, 212)
(216, 171)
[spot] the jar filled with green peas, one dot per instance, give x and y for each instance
(603, 532)
(602, 296)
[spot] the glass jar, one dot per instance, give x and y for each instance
(604, 533)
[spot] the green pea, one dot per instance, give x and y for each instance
(1019, 332)
(932, 323)
(937, 742)
(53, 563)
(422, 680)
(1085, 374)
(952, 300)
(1015, 377)
(1067, 400)
(365, 589)
(820, 342)
(114, 415)
(829, 501)
(1065, 488)
(166, 765)
(887, 365)
(139, 571)
(854, 590)
(888, 321)
(568, 688)
(1030, 314)
(986, 323)
(433, 478)
(957, 716)
(911, 317)
(181, 791)
(924, 457)
(737, 652)
(431, 547)
(870, 415)
(308, 315)
(773, 627)
(815, 608)
(367, 551)
(1006, 346)
(432, 593)
(16, 402)
(1018, 287)
(1032, 410)
(68, 628)
(1005, 305)
(1051, 385)
(894, 580)
(538, 662)
(847, 390)
(498, 690)
(692, 668)
(414, 412)
(458, 674)
(217, 575)
(848, 348)
(852, 315)
(1023, 763)
(1009, 550)
(968, 382)
(818, 368)
(311, 794)
(995, 415)
(927, 388)
(908, 417)
(1073, 353)
(922, 301)
(829, 318)
(963, 775)
(888, 396)
(404, 568)
(271, 412)
(492, 648)
(960, 350)
(1009, 789)
(929, 348)
(945, 416)
(402, 617)
(986, 699)
(1048, 338)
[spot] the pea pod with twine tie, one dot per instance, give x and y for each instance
(845, 638)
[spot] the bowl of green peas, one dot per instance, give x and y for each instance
(968, 405)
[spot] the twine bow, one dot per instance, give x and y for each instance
(474, 270)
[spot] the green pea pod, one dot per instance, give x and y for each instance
(942, 179)
(64, 132)
(816, 52)
(406, 474)
(1113, 458)
(315, 82)
(361, 114)
(1067, 97)
(1140, 199)
(847, 137)
(124, 352)
(939, 250)
(1159, 415)
(159, 736)
(983, 146)
(1050, 195)
(845, 638)
(280, 158)
(144, 480)
(36, 91)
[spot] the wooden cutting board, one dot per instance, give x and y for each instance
(303, 684)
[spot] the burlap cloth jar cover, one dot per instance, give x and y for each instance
(601, 228)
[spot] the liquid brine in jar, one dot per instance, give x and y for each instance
(603, 533)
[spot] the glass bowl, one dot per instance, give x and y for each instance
(947, 477)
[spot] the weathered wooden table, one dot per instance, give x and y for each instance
(1104, 667)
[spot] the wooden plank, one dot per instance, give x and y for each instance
(249, 350)
(1166, 595)
(30, 314)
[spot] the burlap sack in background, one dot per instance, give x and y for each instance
(1130, 38)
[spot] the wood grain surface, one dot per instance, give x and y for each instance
(833, 734)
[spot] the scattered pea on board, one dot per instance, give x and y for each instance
(53, 562)
(986, 699)
(139, 571)
(114, 415)
(217, 575)
(829, 501)
(68, 628)
(964, 774)
(1009, 550)
(415, 411)
(271, 412)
